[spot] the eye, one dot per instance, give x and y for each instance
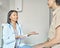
(14, 15)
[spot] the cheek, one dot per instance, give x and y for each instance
(11, 17)
(50, 2)
(17, 17)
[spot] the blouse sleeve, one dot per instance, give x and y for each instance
(57, 23)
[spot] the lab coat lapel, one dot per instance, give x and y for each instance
(11, 28)
(17, 27)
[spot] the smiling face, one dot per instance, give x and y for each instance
(14, 16)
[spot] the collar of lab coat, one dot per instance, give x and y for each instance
(18, 27)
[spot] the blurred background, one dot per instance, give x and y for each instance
(33, 16)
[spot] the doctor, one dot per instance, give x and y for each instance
(12, 32)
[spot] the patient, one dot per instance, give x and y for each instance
(54, 32)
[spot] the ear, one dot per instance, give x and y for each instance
(10, 17)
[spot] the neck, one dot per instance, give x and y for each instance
(55, 7)
(13, 23)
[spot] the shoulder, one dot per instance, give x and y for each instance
(5, 25)
(58, 12)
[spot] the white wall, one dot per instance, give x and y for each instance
(4, 7)
(34, 17)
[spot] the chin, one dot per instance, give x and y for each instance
(15, 20)
(50, 7)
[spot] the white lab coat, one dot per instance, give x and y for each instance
(9, 36)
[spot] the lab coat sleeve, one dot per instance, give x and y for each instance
(21, 31)
(20, 28)
(6, 38)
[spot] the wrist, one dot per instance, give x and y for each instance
(43, 46)
(28, 35)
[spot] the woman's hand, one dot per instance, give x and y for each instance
(20, 37)
(32, 33)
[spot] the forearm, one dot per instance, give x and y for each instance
(29, 35)
(32, 33)
(50, 43)
(19, 37)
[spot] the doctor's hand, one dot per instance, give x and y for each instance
(20, 37)
(32, 33)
